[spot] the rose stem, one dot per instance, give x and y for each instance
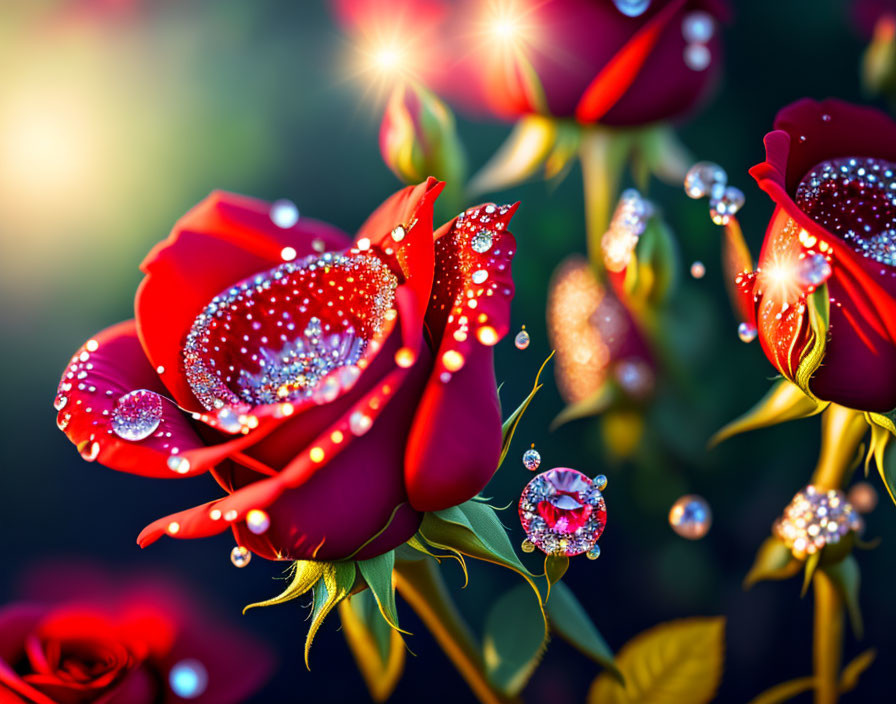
(421, 585)
(842, 431)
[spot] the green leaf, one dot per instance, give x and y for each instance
(378, 648)
(473, 529)
(887, 470)
(377, 572)
(785, 691)
(774, 560)
(335, 584)
(596, 403)
(555, 567)
(305, 574)
(569, 620)
(679, 662)
(809, 568)
(849, 678)
(508, 428)
(514, 639)
(818, 305)
(847, 578)
(785, 402)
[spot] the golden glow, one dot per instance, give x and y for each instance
(317, 454)
(779, 280)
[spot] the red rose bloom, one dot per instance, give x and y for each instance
(831, 170)
(75, 639)
(334, 389)
(617, 62)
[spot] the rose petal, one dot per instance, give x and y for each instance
(224, 239)
(455, 442)
(103, 370)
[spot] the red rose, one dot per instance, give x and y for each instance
(335, 390)
(76, 638)
(617, 62)
(831, 170)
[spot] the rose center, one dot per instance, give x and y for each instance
(854, 198)
(294, 332)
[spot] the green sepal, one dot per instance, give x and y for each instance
(774, 560)
(809, 568)
(304, 575)
(335, 584)
(520, 157)
(377, 572)
(378, 648)
(514, 640)
(555, 567)
(784, 402)
(513, 420)
(473, 529)
(849, 677)
(607, 394)
(565, 150)
(818, 306)
(652, 272)
(571, 622)
(846, 577)
(886, 466)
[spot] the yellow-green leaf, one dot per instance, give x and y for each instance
(785, 691)
(377, 572)
(849, 678)
(305, 574)
(555, 567)
(679, 662)
(785, 402)
(774, 560)
(334, 585)
(377, 647)
(520, 157)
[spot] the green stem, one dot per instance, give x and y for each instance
(842, 431)
(421, 585)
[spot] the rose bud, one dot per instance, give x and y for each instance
(418, 138)
(79, 637)
(336, 389)
(824, 293)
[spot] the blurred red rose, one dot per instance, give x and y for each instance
(334, 389)
(831, 170)
(78, 637)
(617, 62)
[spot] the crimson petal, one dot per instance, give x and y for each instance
(455, 441)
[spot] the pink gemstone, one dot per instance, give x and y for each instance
(562, 512)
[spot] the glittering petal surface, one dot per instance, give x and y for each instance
(455, 441)
(107, 368)
(810, 139)
(223, 240)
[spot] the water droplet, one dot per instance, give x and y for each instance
(178, 464)
(258, 521)
(722, 209)
(746, 332)
(240, 556)
(137, 415)
(701, 177)
(527, 546)
(287, 254)
(63, 421)
(522, 339)
(814, 270)
(600, 481)
(698, 270)
(863, 497)
(690, 517)
(91, 451)
(697, 57)
(531, 459)
(188, 679)
(479, 276)
(359, 423)
(632, 8)
(398, 234)
(284, 213)
(487, 335)
(482, 241)
(453, 360)
(593, 553)
(405, 357)
(697, 27)
(160, 369)
(60, 401)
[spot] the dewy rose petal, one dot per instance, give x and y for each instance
(831, 170)
(293, 349)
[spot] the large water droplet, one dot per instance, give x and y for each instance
(522, 340)
(746, 332)
(137, 415)
(531, 459)
(240, 556)
(284, 213)
(482, 241)
(698, 270)
(632, 8)
(359, 423)
(690, 517)
(702, 177)
(814, 270)
(188, 679)
(722, 209)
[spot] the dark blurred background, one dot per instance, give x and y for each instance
(115, 118)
